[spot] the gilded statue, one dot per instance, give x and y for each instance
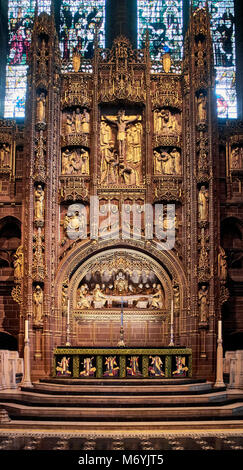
(68, 124)
(38, 305)
(77, 117)
(130, 175)
(235, 158)
(75, 161)
(222, 265)
(85, 120)
(158, 298)
(98, 297)
(203, 197)
(157, 163)
(83, 302)
(203, 303)
(39, 203)
(176, 159)
(41, 108)
(202, 108)
(109, 166)
(165, 122)
(5, 156)
(121, 121)
(134, 143)
(18, 263)
(176, 296)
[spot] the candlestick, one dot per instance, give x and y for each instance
(26, 333)
(172, 323)
(122, 311)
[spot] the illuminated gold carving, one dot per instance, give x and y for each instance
(18, 264)
(203, 197)
(41, 108)
(38, 305)
(222, 265)
(75, 161)
(203, 303)
(39, 204)
(166, 60)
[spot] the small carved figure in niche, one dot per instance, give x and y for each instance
(121, 121)
(235, 158)
(176, 159)
(203, 197)
(66, 165)
(165, 122)
(78, 121)
(176, 296)
(202, 108)
(134, 143)
(85, 122)
(41, 108)
(222, 265)
(109, 166)
(99, 298)
(69, 124)
(84, 170)
(155, 369)
(5, 156)
(106, 138)
(18, 263)
(167, 163)
(39, 203)
(157, 163)
(203, 303)
(38, 305)
(83, 302)
(158, 298)
(121, 283)
(130, 175)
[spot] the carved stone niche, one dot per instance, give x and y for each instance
(41, 109)
(75, 161)
(74, 188)
(76, 127)
(167, 189)
(167, 122)
(76, 90)
(202, 109)
(167, 161)
(166, 91)
(236, 155)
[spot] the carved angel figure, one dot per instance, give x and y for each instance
(38, 305)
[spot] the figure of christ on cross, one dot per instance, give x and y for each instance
(121, 121)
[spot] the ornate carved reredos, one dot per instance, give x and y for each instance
(117, 128)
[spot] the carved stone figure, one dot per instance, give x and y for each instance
(176, 296)
(69, 124)
(134, 143)
(157, 163)
(5, 156)
(176, 159)
(83, 302)
(165, 122)
(121, 121)
(203, 197)
(235, 158)
(39, 203)
(222, 265)
(109, 166)
(203, 303)
(41, 108)
(202, 108)
(84, 170)
(38, 305)
(75, 161)
(167, 163)
(85, 127)
(18, 263)
(99, 298)
(158, 298)
(78, 121)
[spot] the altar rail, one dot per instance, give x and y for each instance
(171, 362)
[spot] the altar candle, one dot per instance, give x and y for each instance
(26, 333)
(122, 311)
(220, 329)
(172, 311)
(68, 312)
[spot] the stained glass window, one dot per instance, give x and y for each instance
(20, 24)
(223, 33)
(78, 20)
(164, 21)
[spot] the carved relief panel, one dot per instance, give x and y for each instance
(121, 144)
